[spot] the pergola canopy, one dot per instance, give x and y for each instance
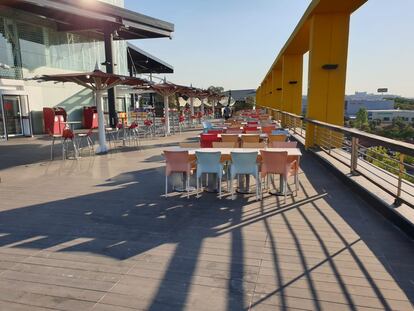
(95, 16)
(140, 61)
(95, 80)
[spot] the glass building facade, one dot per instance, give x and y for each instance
(29, 48)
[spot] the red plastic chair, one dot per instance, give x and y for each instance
(250, 129)
(216, 132)
(206, 140)
(177, 162)
(276, 162)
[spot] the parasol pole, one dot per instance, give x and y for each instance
(166, 116)
(202, 107)
(102, 148)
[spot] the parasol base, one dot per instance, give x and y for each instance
(102, 149)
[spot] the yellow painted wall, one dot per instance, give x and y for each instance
(292, 93)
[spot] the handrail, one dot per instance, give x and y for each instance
(337, 146)
(395, 145)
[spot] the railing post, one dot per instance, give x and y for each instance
(354, 155)
(330, 141)
(398, 201)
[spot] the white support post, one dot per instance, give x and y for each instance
(166, 116)
(103, 147)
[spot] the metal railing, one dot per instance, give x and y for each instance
(379, 159)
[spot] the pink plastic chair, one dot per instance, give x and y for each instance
(275, 162)
(177, 162)
(283, 144)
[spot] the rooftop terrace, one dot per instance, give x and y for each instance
(97, 234)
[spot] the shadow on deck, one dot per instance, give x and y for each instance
(126, 246)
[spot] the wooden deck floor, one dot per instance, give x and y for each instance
(96, 234)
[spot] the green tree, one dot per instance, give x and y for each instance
(361, 120)
(379, 156)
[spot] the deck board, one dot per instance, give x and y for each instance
(97, 234)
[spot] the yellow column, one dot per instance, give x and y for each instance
(277, 73)
(327, 70)
(268, 87)
(292, 83)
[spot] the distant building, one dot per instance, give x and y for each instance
(241, 95)
(387, 116)
(353, 103)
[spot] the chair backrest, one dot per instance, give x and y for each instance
(253, 145)
(190, 145)
(280, 132)
(206, 140)
(207, 125)
(279, 137)
(176, 161)
(230, 138)
(284, 144)
(274, 162)
(244, 162)
(268, 129)
(208, 162)
(226, 144)
(250, 138)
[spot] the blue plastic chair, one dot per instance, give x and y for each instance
(209, 163)
(206, 126)
(244, 163)
(280, 132)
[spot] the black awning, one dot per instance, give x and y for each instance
(79, 15)
(140, 61)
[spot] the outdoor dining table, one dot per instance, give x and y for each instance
(244, 185)
(262, 135)
(71, 124)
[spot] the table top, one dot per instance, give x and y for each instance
(227, 151)
(262, 135)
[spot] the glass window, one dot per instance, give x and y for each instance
(10, 66)
(34, 47)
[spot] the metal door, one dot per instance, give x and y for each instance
(12, 116)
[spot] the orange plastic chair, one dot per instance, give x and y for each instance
(275, 162)
(284, 144)
(250, 139)
(224, 144)
(278, 137)
(254, 145)
(267, 129)
(231, 138)
(177, 162)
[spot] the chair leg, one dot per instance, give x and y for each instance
(51, 149)
(198, 187)
(231, 187)
(166, 185)
(285, 187)
(220, 188)
(188, 185)
(296, 183)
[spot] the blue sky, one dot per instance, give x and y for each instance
(232, 43)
